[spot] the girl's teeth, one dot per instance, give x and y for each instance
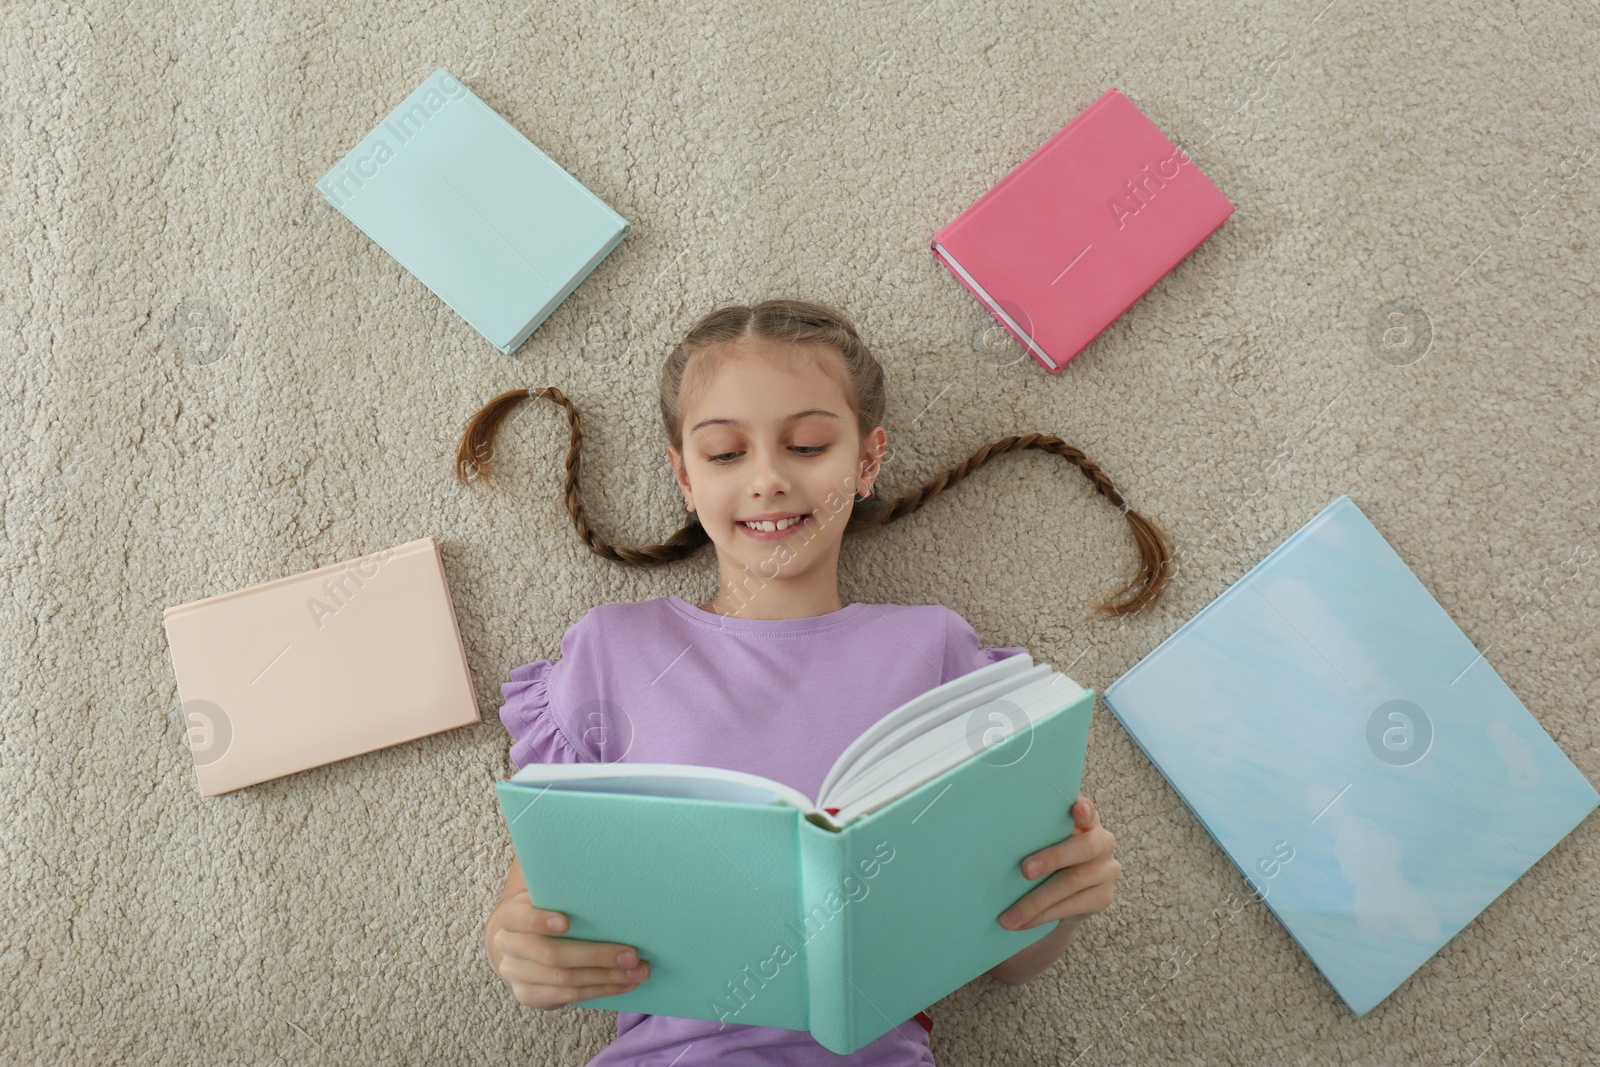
(773, 527)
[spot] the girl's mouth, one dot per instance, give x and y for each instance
(775, 534)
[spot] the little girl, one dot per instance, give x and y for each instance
(773, 413)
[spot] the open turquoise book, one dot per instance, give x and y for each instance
(844, 915)
(473, 209)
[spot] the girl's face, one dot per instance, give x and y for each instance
(770, 437)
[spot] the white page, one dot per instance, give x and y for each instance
(949, 735)
(871, 758)
(663, 779)
(946, 747)
(886, 756)
(996, 677)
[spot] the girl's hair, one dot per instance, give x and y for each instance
(809, 324)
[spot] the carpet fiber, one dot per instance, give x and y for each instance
(217, 380)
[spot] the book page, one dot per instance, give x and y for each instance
(951, 740)
(931, 703)
(662, 779)
(926, 758)
(900, 727)
(903, 743)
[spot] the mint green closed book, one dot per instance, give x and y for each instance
(474, 210)
(845, 917)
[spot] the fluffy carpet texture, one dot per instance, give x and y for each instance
(217, 380)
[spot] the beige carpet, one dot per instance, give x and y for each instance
(215, 380)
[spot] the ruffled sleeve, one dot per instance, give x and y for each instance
(961, 652)
(536, 733)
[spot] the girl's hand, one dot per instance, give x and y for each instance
(547, 971)
(1085, 879)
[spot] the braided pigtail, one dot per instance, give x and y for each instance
(477, 447)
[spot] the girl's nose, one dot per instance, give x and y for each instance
(768, 474)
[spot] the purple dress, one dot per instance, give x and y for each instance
(661, 681)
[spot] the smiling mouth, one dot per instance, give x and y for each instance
(775, 527)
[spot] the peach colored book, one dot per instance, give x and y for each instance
(318, 667)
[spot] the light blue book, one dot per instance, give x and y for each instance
(474, 210)
(1351, 751)
(844, 915)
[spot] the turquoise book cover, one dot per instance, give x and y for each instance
(474, 210)
(759, 913)
(1357, 758)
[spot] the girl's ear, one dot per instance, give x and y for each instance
(872, 464)
(681, 475)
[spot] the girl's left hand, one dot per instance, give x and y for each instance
(1085, 877)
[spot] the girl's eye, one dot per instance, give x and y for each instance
(805, 450)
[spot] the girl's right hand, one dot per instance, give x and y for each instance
(547, 971)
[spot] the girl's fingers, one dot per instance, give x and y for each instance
(549, 998)
(1064, 893)
(1084, 815)
(519, 914)
(516, 969)
(1079, 906)
(561, 953)
(1076, 850)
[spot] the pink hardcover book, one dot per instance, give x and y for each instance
(1078, 231)
(306, 670)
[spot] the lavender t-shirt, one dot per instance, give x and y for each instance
(661, 681)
